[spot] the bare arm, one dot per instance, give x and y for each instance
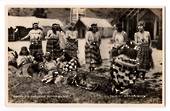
(67, 34)
(27, 36)
(125, 37)
(99, 39)
(48, 35)
(113, 37)
(63, 40)
(41, 35)
(87, 38)
(149, 39)
(136, 39)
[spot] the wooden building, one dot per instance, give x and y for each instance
(152, 18)
(84, 23)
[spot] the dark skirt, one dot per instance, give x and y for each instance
(92, 55)
(53, 47)
(35, 47)
(72, 47)
(145, 57)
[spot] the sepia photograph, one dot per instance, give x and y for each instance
(85, 55)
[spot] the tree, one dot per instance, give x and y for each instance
(40, 13)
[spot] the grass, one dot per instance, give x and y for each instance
(32, 90)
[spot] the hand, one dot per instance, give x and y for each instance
(35, 62)
(22, 39)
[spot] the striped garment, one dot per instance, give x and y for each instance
(123, 73)
(72, 47)
(145, 57)
(53, 47)
(35, 46)
(92, 54)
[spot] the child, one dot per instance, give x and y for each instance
(24, 61)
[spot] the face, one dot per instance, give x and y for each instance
(35, 26)
(47, 57)
(72, 26)
(94, 28)
(54, 26)
(57, 26)
(24, 52)
(140, 28)
(114, 27)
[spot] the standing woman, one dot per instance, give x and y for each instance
(92, 51)
(55, 41)
(142, 40)
(71, 41)
(35, 36)
(119, 39)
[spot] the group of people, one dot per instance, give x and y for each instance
(59, 40)
(141, 42)
(62, 50)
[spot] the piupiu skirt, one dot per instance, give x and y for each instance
(53, 46)
(72, 47)
(35, 46)
(92, 55)
(145, 57)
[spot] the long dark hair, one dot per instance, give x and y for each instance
(72, 28)
(54, 30)
(22, 49)
(16, 54)
(119, 27)
(91, 28)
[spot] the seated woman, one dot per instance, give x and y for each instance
(24, 61)
(67, 63)
(50, 66)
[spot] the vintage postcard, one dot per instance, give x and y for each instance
(89, 55)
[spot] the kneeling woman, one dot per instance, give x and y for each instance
(24, 61)
(50, 66)
(92, 50)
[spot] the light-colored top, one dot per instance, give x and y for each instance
(24, 60)
(50, 65)
(119, 38)
(71, 34)
(93, 37)
(52, 35)
(59, 35)
(11, 56)
(35, 35)
(142, 37)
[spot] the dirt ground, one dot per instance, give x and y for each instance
(32, 90)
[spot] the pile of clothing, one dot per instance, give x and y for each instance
(124, 72)
(72, 65)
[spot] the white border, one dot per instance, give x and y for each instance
(89, 3)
